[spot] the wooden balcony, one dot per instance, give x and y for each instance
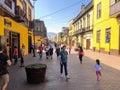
(19, 14)
(7, 8)
(115, 9)
(31, 24)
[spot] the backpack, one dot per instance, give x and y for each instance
(1, 67)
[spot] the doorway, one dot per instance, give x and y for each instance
(88, 44)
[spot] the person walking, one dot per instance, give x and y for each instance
(4, 75)
(63, 62)
(51, 52)
(15, 55)
(40, 51)
(98, 68)
(47, 52)
(70, 47)
(22, 56)
(57, 51)
(80, 53)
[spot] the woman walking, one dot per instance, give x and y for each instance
(22, 56)
(80, 53)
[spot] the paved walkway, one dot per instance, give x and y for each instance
(110, 60)
(83, 76)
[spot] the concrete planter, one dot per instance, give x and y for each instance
(35, 73)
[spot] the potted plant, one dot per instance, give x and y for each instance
(35, 73)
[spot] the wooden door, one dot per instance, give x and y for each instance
(88, 44)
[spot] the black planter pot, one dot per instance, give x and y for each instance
(35, 73)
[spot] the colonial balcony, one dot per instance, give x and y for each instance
(31, 24)
(19, 15)
(7, 8)
(76, 32)
(115, 9)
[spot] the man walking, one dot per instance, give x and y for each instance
(4, 76)
(63, 62)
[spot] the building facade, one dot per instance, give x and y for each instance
(83, 27)
(107, 26)
(71, 32)
(40, 31)
(14, 29)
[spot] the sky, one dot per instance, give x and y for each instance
(66, 10)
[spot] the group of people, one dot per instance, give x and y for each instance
(15, 55)
(62, 56)
(48, 49)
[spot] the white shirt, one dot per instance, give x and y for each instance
(97, 67)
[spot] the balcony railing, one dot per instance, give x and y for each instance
(31, 24)
(115, 9)
(19, 14)
(8, 7)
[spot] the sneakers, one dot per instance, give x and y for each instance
(67, 77)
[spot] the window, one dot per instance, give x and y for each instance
(107, 35)
(81, 23)
(8, 3)
(29, 12)
(84, 20)
(88, 21)
(98, 36)
(117, 1)
(99, 10)
(24, 8)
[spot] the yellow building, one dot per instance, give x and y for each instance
(71, 32)
(83, 27)
(106, 26)
(14, 25)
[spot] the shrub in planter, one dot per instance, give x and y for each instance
(35, 73)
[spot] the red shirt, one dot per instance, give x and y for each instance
(40, 48)
(15, 51)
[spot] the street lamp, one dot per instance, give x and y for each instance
(34, 28)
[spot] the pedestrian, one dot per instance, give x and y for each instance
(80, 53)
(40, 51)
(70, 47)
(51, 51)
(63, 62)
(57, 51)
(22, 56)
(15, 55)
(47, 52)
(98, 68)
(4, 75)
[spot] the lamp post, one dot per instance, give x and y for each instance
(34, 28)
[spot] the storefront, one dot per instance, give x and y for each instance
(13, 34)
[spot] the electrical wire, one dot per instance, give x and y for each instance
(61, 9)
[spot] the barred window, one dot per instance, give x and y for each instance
(99, 10)
(98, 36)
(8, 3)
(107, 36)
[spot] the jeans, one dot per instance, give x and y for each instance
(65, 68)
(40, 54)
(16, 59)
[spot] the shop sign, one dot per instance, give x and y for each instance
(88, 36)
(7, 22)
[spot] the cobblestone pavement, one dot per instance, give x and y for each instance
(83, 76)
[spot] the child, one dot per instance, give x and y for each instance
(98, 69)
